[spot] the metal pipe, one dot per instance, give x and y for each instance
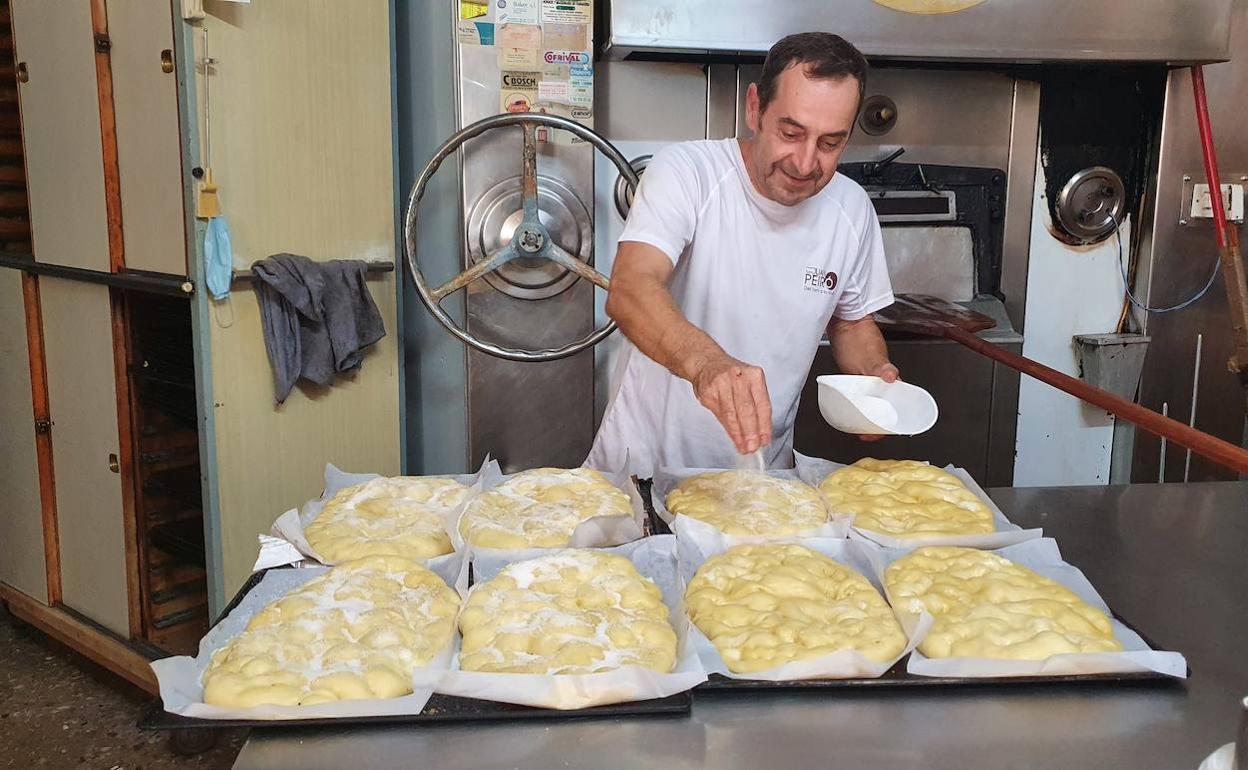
(1191, 419)
(1205, 126)
(1234, 273)
(172, 285)
(1203, 444)
(1161, 460)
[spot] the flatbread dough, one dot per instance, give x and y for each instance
(905, 499)
(748, 503)
(766, 605)
(572, 612)
(356, 632)
(985, 606)
(400, 516)
(541, 508)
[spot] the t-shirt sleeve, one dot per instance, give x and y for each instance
(664, 210)
(867, 287)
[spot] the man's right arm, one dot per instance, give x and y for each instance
(645, 311)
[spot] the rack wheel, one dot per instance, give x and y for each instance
(192, 740)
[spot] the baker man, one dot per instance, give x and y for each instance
(737, 256)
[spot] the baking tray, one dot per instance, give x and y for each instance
(654, 524)
(439, 709)
(897, 676)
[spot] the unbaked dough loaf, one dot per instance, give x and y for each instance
(356, 632)
(905, 499)
(985, 606)
(766, 605)
(572, 612)
(748, 503)
(400, 516)
(540, 508)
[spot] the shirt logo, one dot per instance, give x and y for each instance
(823, 281)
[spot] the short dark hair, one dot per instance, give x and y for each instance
(822, 54)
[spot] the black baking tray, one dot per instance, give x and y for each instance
(897, 676)
(439, 709)
(654, 524)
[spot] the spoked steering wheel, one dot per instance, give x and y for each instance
(531, 239)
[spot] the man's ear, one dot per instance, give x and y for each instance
(753, 113)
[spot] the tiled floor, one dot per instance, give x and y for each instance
(58, 710)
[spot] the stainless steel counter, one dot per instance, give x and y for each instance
(1172, 560)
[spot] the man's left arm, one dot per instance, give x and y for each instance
(858, 348)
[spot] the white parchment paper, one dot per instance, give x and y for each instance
(655, 558)
(845, 664)
(1042, 556)
(813, 470)
(666, 479)
(595, 532)
(286, 544)
(180, 677)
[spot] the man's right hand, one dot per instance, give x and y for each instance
(736, 393)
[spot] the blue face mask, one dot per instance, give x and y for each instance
(218, 258)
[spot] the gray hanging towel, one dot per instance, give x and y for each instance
(318, 318)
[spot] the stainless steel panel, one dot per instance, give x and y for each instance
(954, 118)
(434, 373)
(721, 101)
(523, 414)
(1175, 262)
(1020, 181)
(1131, 542)
(650, 101)
(999, 30)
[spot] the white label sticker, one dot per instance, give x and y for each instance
(517, 12)
(519, 91)
(517, 58)
(552, 91)
(566, 37)
(567, 11)
(582, 115)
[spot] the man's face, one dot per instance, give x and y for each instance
(799, 139)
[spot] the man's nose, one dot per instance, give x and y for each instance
(806, 161)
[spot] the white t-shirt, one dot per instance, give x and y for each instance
(761, 278)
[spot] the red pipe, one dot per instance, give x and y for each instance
(1211, 158)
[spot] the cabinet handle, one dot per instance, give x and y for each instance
(166, 61)
(23, 75)
(113, 464)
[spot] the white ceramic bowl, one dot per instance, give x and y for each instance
(855, 403)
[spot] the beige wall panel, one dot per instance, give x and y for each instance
(77, 328)
(61, 130)
(21, 517)
(149, 153)
(301, 151)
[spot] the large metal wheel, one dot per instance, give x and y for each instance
(531, 238)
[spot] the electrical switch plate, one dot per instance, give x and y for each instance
(1232, 199)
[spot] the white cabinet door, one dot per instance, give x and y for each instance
(21, 520)
(61, 132)
(82, 400)
(149, 154)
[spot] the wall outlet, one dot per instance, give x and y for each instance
(1232, 199)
